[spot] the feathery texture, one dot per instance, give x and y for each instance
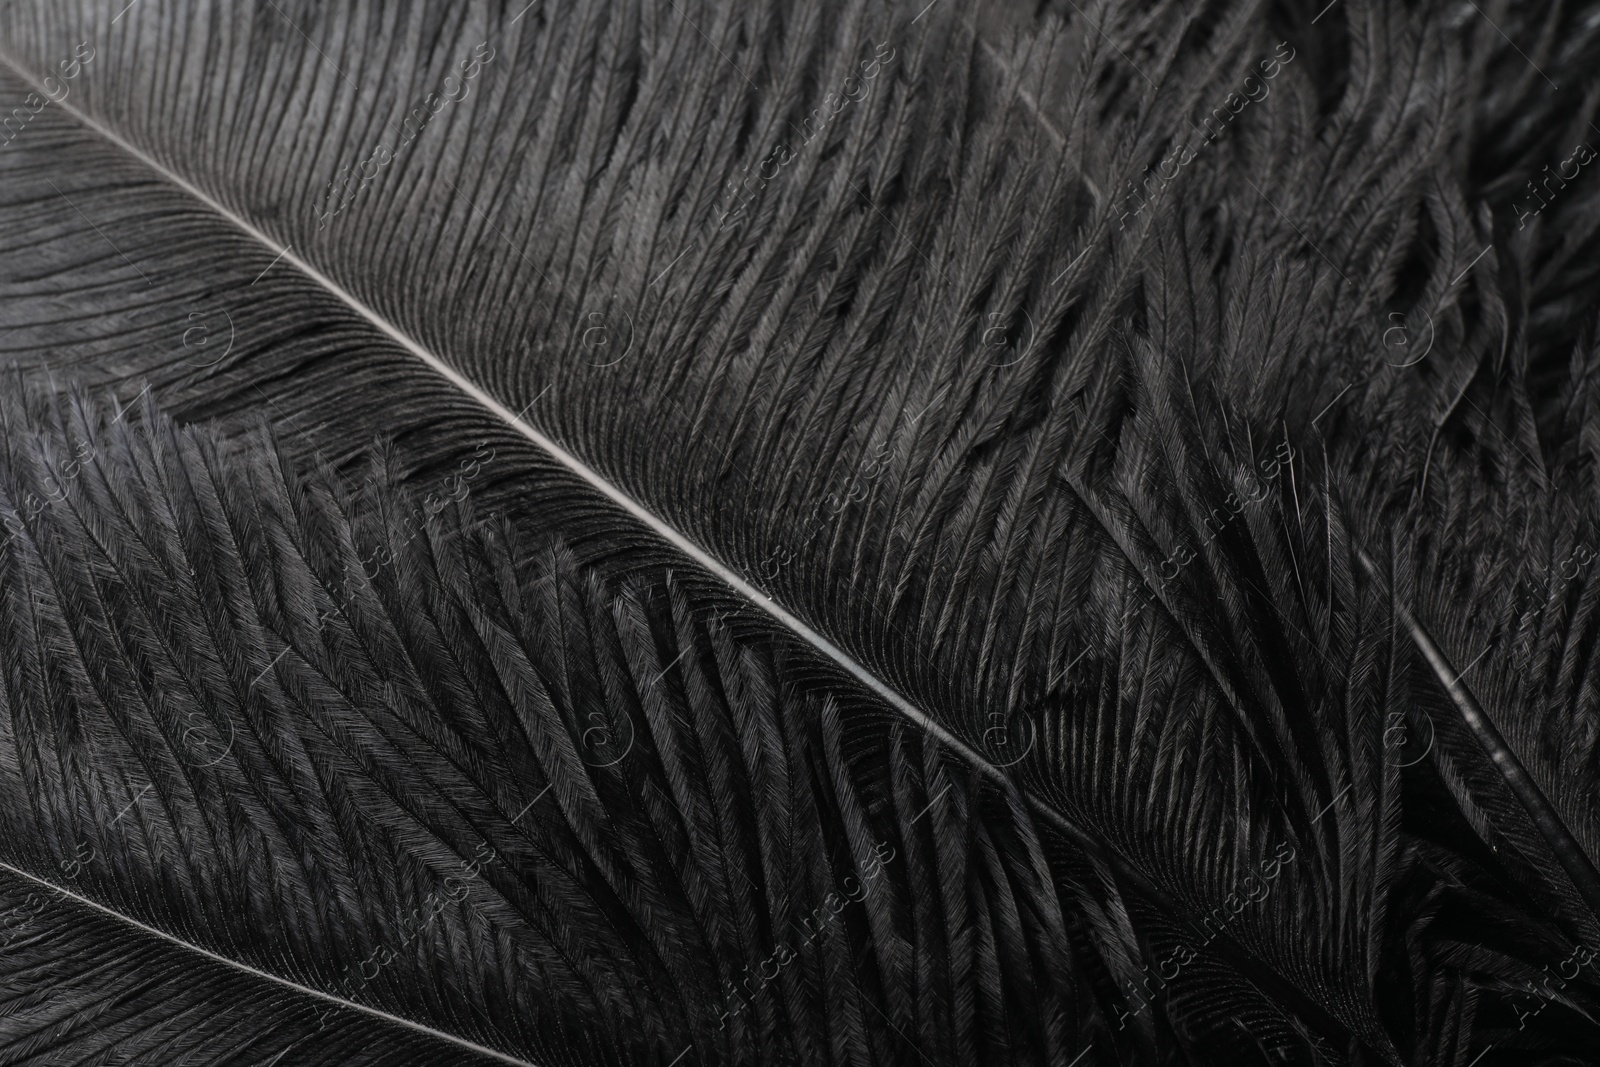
(1132, 461)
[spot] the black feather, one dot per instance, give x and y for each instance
(609, 451)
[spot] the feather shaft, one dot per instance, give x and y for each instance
(1567, 851)
(397, 1020)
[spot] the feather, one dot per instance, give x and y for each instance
(681, 455)
(456, 815)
